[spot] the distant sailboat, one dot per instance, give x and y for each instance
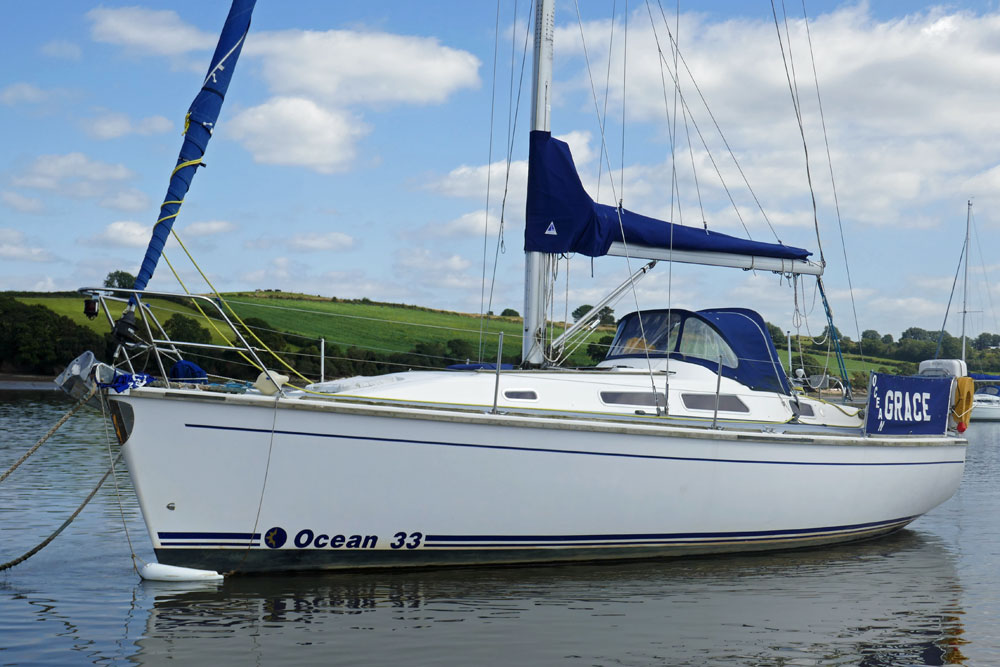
(985, 403)
(686, 439)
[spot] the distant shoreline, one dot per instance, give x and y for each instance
(16, 382)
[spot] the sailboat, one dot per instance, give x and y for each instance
(985, 404)
(686, 439)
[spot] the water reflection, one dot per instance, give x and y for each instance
(893, 601)
(890, 602)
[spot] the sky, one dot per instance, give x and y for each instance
(353, 152)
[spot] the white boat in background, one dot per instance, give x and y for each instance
(686, 439)
(986, 404)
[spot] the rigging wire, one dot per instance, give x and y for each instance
(489, 174)
(672, 134)
(982, 263)
(793, 90)
(722, 136)
(500, 248)
(951, 295)
(602, 117)
(718, 171)
(621, 177)
(833, 182)
(619, 196)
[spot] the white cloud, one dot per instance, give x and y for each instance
(469, 225)
(123, 234)
(281, 269)
(26, 93)
(895, 146)
(470, 181)
(46, 284)
(283, 273)
(21, 203)
(112, 125)
(73, 174)
(344, 67)
(297, 131)
(425, 268)
(579, 146)
(62, 49)
(209, 228)
(147, 31)
(126, 200)
(907, 309)
(14, 246)
(321, 242)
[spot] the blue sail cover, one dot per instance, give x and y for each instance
(561, 217)
(199, 123)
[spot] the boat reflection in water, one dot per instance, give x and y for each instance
(895, 600)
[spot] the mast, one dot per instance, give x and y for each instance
(965, 279)
(536, 263)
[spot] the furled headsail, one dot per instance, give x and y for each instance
(561, 217)
(198, 126)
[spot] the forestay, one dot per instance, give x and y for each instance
(198, 126)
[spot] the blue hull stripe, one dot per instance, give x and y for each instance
(209, 544)
(569, 451)
(664, 536)
(508, 541)
(208, 536)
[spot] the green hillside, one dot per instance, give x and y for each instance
(380, 328)
(390, 336)
(72, 307)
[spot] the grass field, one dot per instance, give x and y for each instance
(386, 328)
(382, 328)
(72, 307)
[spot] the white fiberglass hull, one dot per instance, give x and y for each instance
(243, 483)
(985, 410)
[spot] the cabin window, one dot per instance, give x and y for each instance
(806, 410)
(643, 398)
(520, 395)
(727, 402)
(663, 333)
(660, 335)
(702, 341)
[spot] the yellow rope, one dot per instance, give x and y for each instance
(211, 322)
(184, 164)
(233, 312)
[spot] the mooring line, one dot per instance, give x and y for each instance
(52, 430)
(61, 528)
(118, 494)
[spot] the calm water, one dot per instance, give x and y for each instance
(926, 596)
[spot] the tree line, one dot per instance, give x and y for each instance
(34, 339)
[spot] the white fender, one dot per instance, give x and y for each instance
(161, 572)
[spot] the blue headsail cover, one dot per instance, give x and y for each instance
(561, 217)
(200, 121)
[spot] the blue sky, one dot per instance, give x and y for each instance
(351, 156)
